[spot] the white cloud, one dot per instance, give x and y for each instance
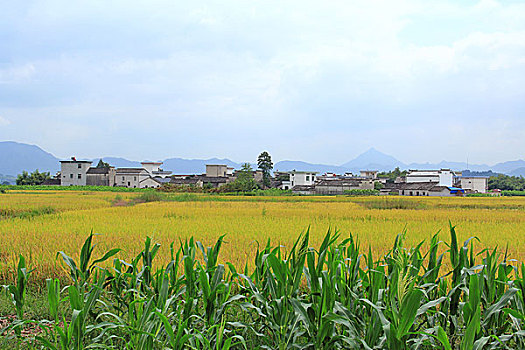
(263, 70)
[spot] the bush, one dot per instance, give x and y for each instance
(74, 188)
(513, 193)
(361, 192)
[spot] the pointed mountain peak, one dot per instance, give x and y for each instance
(372, 159)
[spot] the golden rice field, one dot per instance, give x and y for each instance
(244, 221)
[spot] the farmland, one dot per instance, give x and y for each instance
(336, 273)
(244, 220)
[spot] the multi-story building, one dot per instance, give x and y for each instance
(153, 168)
(74, 172)
(130, 177)
(299, 178)
(443, 177)
(369, 174)
(477, 184)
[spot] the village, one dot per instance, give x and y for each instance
(441, 183)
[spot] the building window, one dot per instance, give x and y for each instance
(134, 178)
(123, 178)
(80, 166)
(307, 178)
(70, 176)
(79, 176)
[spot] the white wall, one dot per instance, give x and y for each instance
(477, 184)
(74, 173)
(149, 183)
(302, 178)
(130, 180)
(446, 178)
(151, 167)
(443, 177)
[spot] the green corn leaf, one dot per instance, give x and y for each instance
(443, 338)
(408, 312)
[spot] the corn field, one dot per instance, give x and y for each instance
(338, 296)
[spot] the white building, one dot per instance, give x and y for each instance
(369, 174)
(299, 178)
(443, 177)
(131, 177)
(477, 184)
(153, 168)
(151, 182)
(74, 172)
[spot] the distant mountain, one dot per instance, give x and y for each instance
(508, 167)
(288, 165)
(16, 157)
(518, 172)
(488, 173)
(7, 179)
(449, 165)
(373, 160)
(118, 162)
(194, 166)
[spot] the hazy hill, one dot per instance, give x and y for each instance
(194, 166)
(16, 157)
(508, 167)
(450, 165)
(118, 162)
(373, 160)
(518, 172)
(11, 180)
(288, 165)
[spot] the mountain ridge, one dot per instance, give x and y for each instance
(16, 157)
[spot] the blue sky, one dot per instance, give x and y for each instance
(320, 81)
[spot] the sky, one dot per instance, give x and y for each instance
(319, 81)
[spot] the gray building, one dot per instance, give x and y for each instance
(431, 189)
(101, 176)
(339, 186)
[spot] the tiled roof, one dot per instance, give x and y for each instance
(130, 170)
(98, 171)
(421, 186)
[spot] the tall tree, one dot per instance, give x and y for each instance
(102, 164)
(264, 162)
(245, 181)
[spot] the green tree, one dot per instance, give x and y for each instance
(264, 162)
(245, 181)
(102, 164)
(391, 176)
(35, 178)
(508, 183)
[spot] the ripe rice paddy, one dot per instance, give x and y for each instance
(244, 220)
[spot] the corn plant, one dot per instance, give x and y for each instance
(334, 296)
